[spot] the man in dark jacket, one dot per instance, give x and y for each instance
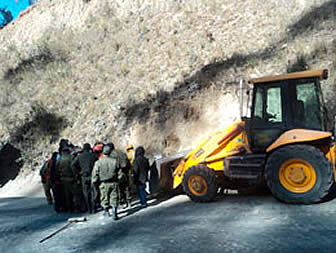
(70, 185)
(56, 185)
(105, 173)
(64, 143)
(82, 166)
(141, 168)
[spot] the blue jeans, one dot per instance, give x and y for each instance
(142, 193)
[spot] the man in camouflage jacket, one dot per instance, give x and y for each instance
(105, 173)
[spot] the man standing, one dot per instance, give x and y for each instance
(68, 181)
(82, 166)
(97, 150)
(124, 183)
(57, 188)
(141, 168)
(45, 179)
(105, 172)
(130, 153)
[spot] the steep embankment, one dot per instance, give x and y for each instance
(156, 73)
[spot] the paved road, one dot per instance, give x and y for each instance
(233, 223)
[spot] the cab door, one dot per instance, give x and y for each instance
(268, 119)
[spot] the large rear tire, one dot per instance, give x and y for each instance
(199, 183)
(299, 174)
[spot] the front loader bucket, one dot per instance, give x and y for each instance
(166, 167)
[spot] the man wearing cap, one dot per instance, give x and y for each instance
(130, 153)
(124, 183)
(82, 166)
(105, 173)
(68, 181)
(97, 150)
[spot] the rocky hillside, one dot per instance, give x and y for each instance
(151, 72)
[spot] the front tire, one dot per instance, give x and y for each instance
(299, 174)
(199, 183)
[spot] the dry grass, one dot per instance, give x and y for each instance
(156, 73)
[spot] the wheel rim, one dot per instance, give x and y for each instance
(197, 185)
(297, 175)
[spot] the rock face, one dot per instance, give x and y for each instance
(156, 73)
(10, 163)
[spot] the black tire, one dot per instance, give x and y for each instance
(309, 154)
(207, 176)
(331, 194)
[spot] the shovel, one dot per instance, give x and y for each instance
(70, 221)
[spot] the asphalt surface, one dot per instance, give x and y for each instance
(233, 223)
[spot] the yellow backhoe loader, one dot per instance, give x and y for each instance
(283, 143)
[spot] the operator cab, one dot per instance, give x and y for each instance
(282, 103)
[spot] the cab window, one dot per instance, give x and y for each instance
(273, 109)
(307, 111)
(268, 105)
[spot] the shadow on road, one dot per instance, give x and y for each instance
(22, 217)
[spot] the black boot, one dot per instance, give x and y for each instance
(115, 213)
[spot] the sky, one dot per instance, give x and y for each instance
(14, 6)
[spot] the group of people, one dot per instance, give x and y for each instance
(89, 179)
